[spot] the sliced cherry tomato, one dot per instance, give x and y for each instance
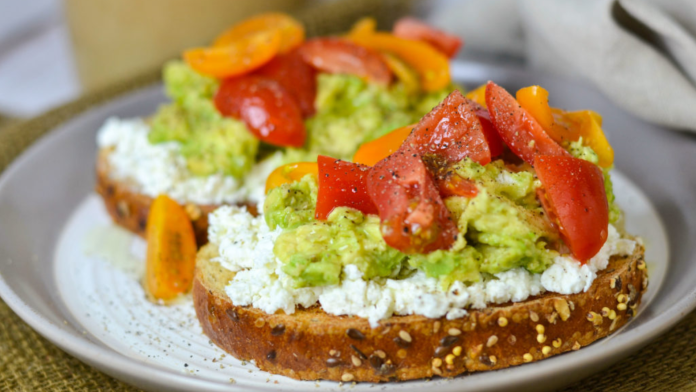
(406, 75)
(364, 26)
(267, 109)
(452, 130)
(431, 65)
(290, 173)
(239, 57)
(518, 129)
(171, 250)
(478, 95)
(374, 151)
(495, 142)
(296, 76)
(336, 55)
(342, 184)
(576, 198)
(565, 126)
(450, 183)
(413, 216)
(291, 31)
(412, 28)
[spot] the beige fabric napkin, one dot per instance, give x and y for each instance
(640, 53)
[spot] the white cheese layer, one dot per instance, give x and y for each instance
(154, 169)
(245, 246)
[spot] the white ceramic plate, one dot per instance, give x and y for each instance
(61, 269)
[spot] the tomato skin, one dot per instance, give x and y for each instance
(518, 129)
(412, 28)
(495, 143)
(342, 184)
(336, 55)
(267, 109)
(452, 130)
(413, 216)
(296, 76)
(576, 199)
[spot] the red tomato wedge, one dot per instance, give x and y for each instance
(336, 55)
(452, 130)
(412, 28)
(576, 198)
(296, 76)
(267, 109)
(518, 129)
(413, 216)
(495, 142)
(342, 184)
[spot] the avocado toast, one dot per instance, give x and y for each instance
(485, 237)
(260, 97)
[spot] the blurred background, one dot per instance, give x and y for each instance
(641, 53)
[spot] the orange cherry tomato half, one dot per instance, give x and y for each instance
(364, 26)
(431, 65)
(518, 129)
(296, 76)
(478, 95)
(267, 109)
(342, 184)
(576, 198)
(336, 55)
(291, 31)
(453, 131)
(171, 250)
(412, 28)
(239, 57)
(290, 173)
(403, 72)
(374, 151)
(413, 217)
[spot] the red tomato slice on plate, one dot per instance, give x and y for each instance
(452, 130)
(413, 216)
(335, 55)
(267, 109)
(576, 199)
(518, 129)
(296, 76)
(342, 184)
(412, 28)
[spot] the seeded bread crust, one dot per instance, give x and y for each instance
(129, 209)
(311, 344)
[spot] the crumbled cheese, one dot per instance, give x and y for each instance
(245, 245)
(154, 169)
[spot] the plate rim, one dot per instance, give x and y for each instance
(118, 365)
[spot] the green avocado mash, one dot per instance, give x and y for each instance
(350, 112)
(501, 228)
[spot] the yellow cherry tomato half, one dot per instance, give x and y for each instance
(171, 250)
(239, 57)
(403, 72)
(432, 66)
(563, 126)
(374, 151)
(290, 173)
(478, 95)
(363, 27)
(291, 31)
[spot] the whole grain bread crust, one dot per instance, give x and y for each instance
(129, 208)
(311, 344)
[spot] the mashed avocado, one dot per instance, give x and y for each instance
(209, 142)
(350, 112)
(501, 228)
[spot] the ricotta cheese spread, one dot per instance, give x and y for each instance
(154, 169)
(245, 246)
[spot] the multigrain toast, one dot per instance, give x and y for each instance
(311, 344)
(129, 208)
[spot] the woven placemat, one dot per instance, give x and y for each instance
(29, 362)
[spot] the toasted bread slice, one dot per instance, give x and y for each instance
(129, 208)
(311, 344)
